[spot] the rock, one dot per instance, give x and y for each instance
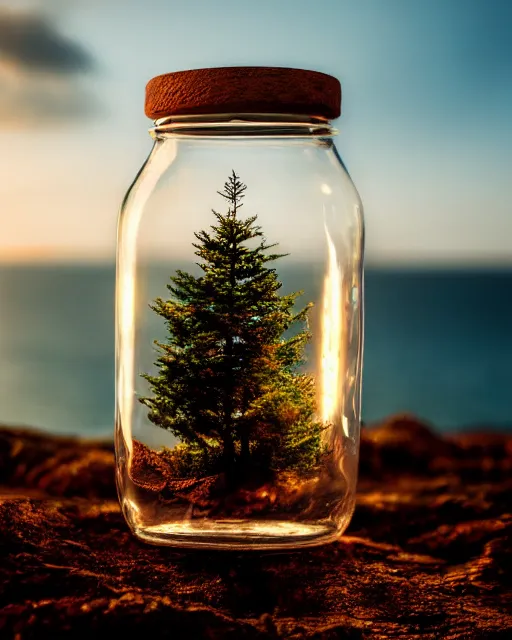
(427, 555)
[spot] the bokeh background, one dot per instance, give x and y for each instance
(426, 133)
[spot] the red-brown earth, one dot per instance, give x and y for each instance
(428, 553)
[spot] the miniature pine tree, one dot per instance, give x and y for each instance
(228, 385)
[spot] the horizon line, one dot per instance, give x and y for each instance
(95, 261)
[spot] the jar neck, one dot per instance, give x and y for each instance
(243, 125)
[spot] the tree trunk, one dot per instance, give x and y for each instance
(244, 447)
(228, 455)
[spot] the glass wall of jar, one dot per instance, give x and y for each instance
(239, 318)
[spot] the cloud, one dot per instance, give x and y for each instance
(42, 73)
(33, 43)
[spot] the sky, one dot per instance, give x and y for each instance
(426, 128)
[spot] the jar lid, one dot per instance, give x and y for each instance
(243, 90)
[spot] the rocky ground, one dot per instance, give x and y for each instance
(428, 553)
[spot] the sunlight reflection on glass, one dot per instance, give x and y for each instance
(331, 337)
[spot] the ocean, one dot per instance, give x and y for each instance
(437, 344)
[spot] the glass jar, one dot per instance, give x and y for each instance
(239, 316)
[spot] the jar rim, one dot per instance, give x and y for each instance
(261, 125)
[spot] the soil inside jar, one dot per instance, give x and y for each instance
(248, 492)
